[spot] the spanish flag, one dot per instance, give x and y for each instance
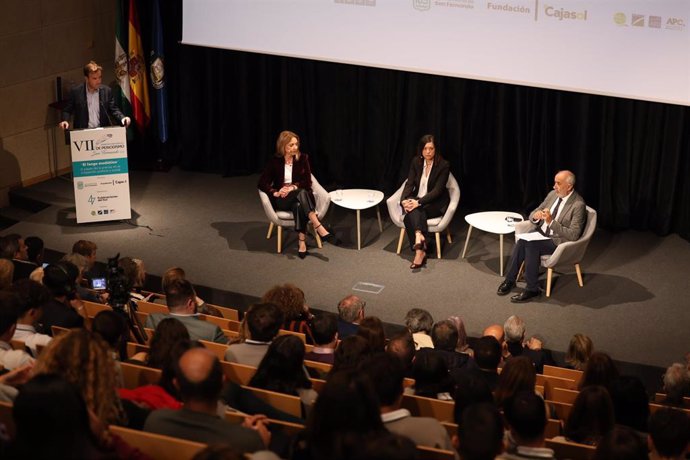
(138, 85)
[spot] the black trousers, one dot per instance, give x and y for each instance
(530, 252)
(416, 220)
(300, 203)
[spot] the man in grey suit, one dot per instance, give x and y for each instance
(560, 217)
(181, 299)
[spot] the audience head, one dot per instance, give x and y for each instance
(514, 328)
(9, 313)
(600, 370)
(79, 261)
(6, 273)
(289, 298)
(371, 329)
(180, 296)
(630, 402)
(677, 383)
(419, 320)
(349, 353)
(669, 433)
(386, 372)
(480, 432)
(324, 329)
(282, 367)
(462, 345)
(402, 346)
(174, 273)
(168, 332)
(487, 353)
(34, 249)
(495, 331)
(525, 414)
(470, 389)
(87, 249)
(621, 443)
(134, 271)
(168, 365)
(264, 320)
(591, 416)
(61, 278)
(518, 375)
(579, 351)
(84, 359)
(113, 328)
(199, 376)
(351, 309)
(12, 246)
(444, 335)
(31, 296)
(431, 375)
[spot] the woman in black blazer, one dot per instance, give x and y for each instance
(287, 181)
(425, 195)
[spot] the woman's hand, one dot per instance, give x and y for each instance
(285, 190)
(410, 204)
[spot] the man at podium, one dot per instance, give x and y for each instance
(92, 103)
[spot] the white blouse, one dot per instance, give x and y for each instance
(424, 182)
(288, 174)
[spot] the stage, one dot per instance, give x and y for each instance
(632, 304)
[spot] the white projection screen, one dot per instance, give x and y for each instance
(638, 49)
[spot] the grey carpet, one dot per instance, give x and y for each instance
(632, 305)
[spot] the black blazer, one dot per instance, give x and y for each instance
(271, 179)
(437, 194)
(109, 114)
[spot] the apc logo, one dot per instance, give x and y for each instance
(91, 200)
(675, 23)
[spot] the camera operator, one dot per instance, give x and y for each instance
(65, 309)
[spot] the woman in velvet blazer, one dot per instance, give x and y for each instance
(425, 196)
(287, 181)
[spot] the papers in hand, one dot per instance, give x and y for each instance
(532, 236)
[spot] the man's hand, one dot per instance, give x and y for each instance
(18, 376)
(259, 422)
(64, 125)
(126, 121)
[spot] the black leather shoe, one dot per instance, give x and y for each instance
(505, 287)
(331, 239)
(525, 296)
(302, 255)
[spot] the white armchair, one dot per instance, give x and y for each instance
(436, 225)
(286, 219)
(570, 252)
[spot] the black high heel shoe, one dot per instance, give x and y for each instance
(329, 237)
(415, 266)
(303, 254)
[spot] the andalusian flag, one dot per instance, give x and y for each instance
(121, 61)
(157, 67)
(138, 85)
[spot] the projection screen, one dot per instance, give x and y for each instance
(637, 49)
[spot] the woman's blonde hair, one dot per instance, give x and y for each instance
(6, 273)
(84, 359)
(284, 139)
(579, 351)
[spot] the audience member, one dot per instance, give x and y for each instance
(112, 327)
(31, 296)
(9, 312)
(402, 346)
(621, 443)
(496, 331)
(64, 309)
(591, 416)
(263, 320)
(282, 370)
(676, 384)
(181, 297)
(630, 403)
(469, 390)
(431, 376)
(444, 336)
(487, 357)
(34, 250)
(87, 249)
(325, 332)
(419, 322)
(518, 375)
(290, 299)
(13, 247)
(350, 313)
(579, 351)
(6, 274)
(525, 415)
(350, 352)
(82, 286)
(387, 374)
(371, 329)
(168, 332)
(462, 346)
(199, 379)
(514, 328)
(387, 446)
(177, 273)
(480, 432)
(10, 381)
(669, 434)
(600, 370)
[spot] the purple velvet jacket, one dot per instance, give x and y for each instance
(271, 179)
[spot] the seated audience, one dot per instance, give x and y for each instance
(371, 329)
(349, 354)
(600, 370)
(64, 309)
(462, 346)
(525, 415)
(6, 274)
(591, 416)
(12, 247)
(480, 432)
(386, 373)
(676, 384)
(325, 332)
(496, 331)
(181, 297)
(263, 321)
(34, 250)
(32, 296)
(518, 375)
(630, 403)
(112, 327)
(282, 370)
(402, 346)
(669, 434)
(135, 272)
(388, 446)
(514, 328)
(88, 249)
(444, 337)
(470, 389)
(83, 289)
(10, 381)
(487, 356)
(290, 299)
(579, 351)
(9, 312)
(168, 332)
(177, 273)
(199, 379)
(431, 377)
(419, 322)
(350, 313)
(621, 443)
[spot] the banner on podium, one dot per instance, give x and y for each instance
(101, 174)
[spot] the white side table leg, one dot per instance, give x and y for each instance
(359, 236)
(378, 214)
(501, 245)
(469, 231)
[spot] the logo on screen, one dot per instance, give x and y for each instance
(562, 14)
(91, 199)
(675, 24)
(508, 8)
(421, 5)
(654, 22)
(80, 185)
(620, 19)
(637, 20)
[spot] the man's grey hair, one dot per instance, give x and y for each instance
(350, 307)
(514, 328)
(677, 378)
(569, 177)
(419, 320)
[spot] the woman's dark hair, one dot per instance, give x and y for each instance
(168, 332)
(430, 375)
(621, 443)
(282, 368)
(371, 329)
(425, 139)
(599, 370)
(344, 416)
(52, 421)
(470, 389)
(518, 375)
(591, 416)
(630, 402)
(350, 352)
(113, 328)
(169, 365)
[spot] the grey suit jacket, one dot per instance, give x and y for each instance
(249, 354)
(424, 431)
(571, 220)
(198, 329)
